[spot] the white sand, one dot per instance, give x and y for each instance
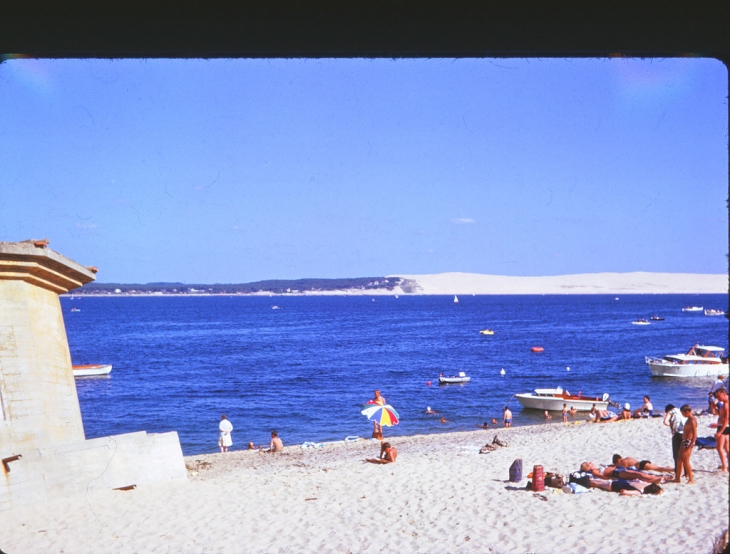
(588, 283)
(440, 496)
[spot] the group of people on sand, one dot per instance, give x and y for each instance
(607, 416)
(626, 476)
(225, 441)
(388, 452)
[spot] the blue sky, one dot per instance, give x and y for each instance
(217, 171)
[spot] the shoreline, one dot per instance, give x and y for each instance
(441, 495)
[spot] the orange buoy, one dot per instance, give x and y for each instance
(537, 349)
(428, 383)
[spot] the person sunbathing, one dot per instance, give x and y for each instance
(618, 472)
(634, 487)
(388, 455)
(643, 465)
(605, 416)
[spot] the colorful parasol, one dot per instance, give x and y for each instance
(384, 415)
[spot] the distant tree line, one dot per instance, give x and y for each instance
(273, 286)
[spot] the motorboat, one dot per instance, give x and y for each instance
(486, 332)
(692, 309)
(461, 378)
(75, 309)
(91, 370)
(640, 321)
(714, 312)
(656, 318)
(553, 400)
(699, 361)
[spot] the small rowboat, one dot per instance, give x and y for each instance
(90, 370)
(462, 378)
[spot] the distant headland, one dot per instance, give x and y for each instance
(441, 283)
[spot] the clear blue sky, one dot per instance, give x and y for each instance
(217, 171)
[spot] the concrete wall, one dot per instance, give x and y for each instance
(61, 469)
(38, 400)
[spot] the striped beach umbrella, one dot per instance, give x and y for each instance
(384, 415)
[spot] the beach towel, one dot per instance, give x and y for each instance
(706, 442)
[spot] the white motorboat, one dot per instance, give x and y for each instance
(640, 322)
(90, 370)
(553, 400)
(714, 312)
(692, 309)
(699, 361)
(461, 378)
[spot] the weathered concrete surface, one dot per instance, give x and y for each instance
(42, 443)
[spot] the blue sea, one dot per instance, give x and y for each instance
(306, 368)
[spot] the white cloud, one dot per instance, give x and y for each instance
(463, 221)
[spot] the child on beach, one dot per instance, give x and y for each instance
(547, 415)
(507, 417)
(565, 414)
(388, 455)
(689, 436)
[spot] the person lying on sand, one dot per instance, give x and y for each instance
(605, 416)
(388, 454)
(618, 472)
(643, 465)
(634, 487)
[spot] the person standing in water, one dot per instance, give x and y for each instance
(507, 417)
(224, 438)
(565, 414)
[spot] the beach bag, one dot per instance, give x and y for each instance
(554, 480)
(515, 471)
(581, 478)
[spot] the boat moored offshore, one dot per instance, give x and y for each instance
(90, 370)
(699, 361)
(553, 400)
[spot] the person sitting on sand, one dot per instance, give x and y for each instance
(643, 465)
(547, 415)
(388, 454)
(618, 472)
(276, 444)
(626, 412)
(430, 411)
(645, 410)
(507, 417)
(634, 487)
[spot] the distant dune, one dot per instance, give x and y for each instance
(585, 283)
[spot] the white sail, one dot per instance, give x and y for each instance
(456, 300)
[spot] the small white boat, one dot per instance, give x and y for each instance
(692, 309)
(486, 332)
(699, 361)
(274, 307)
(90, 370)
(640, 322)
(553, 400)
(714, 312)
(456, 300)
(75, 309)
(462, 378)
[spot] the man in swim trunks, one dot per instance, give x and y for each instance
(276, 444)
(618, 472)
(635, 487)
(643, 465)
(689, 437)
(674, 419)
(721, 437)
(507, 417)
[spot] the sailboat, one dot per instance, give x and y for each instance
(456, 300)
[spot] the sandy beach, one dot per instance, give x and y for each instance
(441, 495)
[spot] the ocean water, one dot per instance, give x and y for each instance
(306, 369)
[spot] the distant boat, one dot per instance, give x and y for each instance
(714, 312)
(641, 321)
(692, 309)
(486, 332)
(537, 349)
(274, 307)
(456, 300)
(91, 369)
(462, 378)
(656, 318)
(75, 309)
